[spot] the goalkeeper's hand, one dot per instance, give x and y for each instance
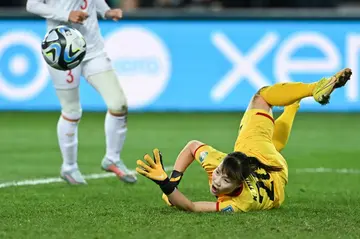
(154, 170)
(175, 179)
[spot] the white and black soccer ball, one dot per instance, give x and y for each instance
(63, 48)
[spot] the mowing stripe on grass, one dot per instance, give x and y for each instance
(107, 175)
(59, 180)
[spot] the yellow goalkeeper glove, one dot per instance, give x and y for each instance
(154, 170)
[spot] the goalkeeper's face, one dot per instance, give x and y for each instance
(222, 183)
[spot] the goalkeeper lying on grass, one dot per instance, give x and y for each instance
(253, 177)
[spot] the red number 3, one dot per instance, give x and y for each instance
(84, 5)
(70, 78)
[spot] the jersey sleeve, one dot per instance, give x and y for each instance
(227, 206)
(208, 157)
(42, 9)
(101, 7)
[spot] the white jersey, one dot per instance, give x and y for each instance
(57, 12)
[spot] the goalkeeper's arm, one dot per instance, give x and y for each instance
(154, 170)
(180, 201)
(176, 198)
(184, 159)
(187, 155)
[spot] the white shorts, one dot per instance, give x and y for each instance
(71, 79)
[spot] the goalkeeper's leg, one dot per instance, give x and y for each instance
(283, 125)
(283, 94)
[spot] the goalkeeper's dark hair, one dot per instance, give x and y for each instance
(238, 166)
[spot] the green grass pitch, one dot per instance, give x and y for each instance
(318, 205)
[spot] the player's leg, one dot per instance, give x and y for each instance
(283, 125)
(283, 94)
(255, 139)
(100, 74)
(257, 127)
(66, 84)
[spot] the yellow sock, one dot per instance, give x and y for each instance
(282, 94)
(283, 125)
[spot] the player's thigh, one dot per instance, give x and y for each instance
(248, 124)
(258, 102)
(65, 79)
(256, 127)
(100, 74)
(70, 103)
(96, 65)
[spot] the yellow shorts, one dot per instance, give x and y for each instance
(255, 139)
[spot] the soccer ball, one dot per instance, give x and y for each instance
(63, 48)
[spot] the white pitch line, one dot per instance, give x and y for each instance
(107, 175)
(329, 170)
(59, 180)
